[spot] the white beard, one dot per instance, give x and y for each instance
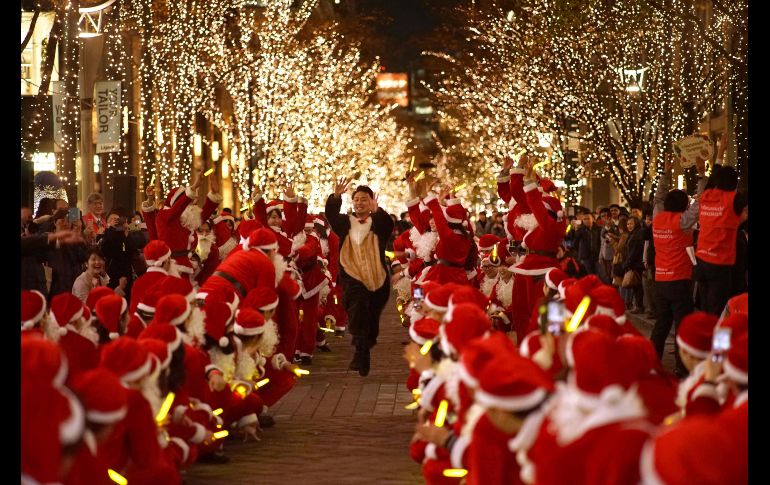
(324, 247)
(487, 284)
(404, 287)
(204, 246)
(424, 244)
(225, 248)
(151, 391)
(245, 367)
(526, 222)
(191, 217)
(226, 362)
(269, 340)
(195, 328)
(280, 267)
(298, 241)
(504, 292)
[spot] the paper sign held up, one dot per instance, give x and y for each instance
(690, 148)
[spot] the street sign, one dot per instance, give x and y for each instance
(107, 113)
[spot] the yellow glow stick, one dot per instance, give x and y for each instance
(116, 477)
(426, 347)
(241, 390)
(441, 413)
(217, 411)
(411, 165)
(460, 187)
(263, 382)
(522, 152)
(580, 312)
(390, 254)
(219, 426)
(455, 472)
(209, 172)
(221, 434)
(301, 372)
(325, 329)
(413, 405)
(494, 253)
(537, 165)
(165, 408)
(420, 176)
(335, 299)
(152, 180)
(301, 314)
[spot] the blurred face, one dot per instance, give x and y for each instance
(614, 212)
(112, 220)
(630, 225)
(362, 203)
(432, 224)
(489, 270)
(61, 204)
(588, 220)
(61, 224)
(204, 230)
(274, 219)
(560, 252)
(95, 264)
(96, 207)
(136, 220)
(268, 314)
(637, 213)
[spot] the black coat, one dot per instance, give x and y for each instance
(588, 242)
(635, 250)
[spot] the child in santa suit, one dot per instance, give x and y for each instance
(455, 247)
(34, 313)
(74, 333)
(307, 251)
(280, 216)
(420, 242)
(157, 255)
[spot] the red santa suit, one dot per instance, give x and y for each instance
(308, 256)
(225, 239)
(178, 220)
(452, 248)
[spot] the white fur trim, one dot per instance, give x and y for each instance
(278, 361)
(413, 202)
(158, 262)
(415, 336)
(200, 434)
(223, 341)
(454, 201)
(428, 393)
(309, 294)
(212, 367)
(182, 446)
(742, 398)
(430, 451)
(735, 374)
(706, 390)
(114, 335)
(451, 219)
(530, 187)
(529, 272)
(509, 403)
(247, 420)
(215, 198)
(178, 413)
(700, 354)
(434, 306)
(458, 452)
(427, 200)
(107, 417)
(517, 171)
(466, 376)
(145, 308)
(647, 472)
(72, 429)
(504, 180)
(239, 330)
(224, 217)
(188, 191)
(444, 344)
(178, 193)
(137, 373)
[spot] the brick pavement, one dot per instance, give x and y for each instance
(334, 427)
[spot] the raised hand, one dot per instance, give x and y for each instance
(290, 194)
(375, 204)
(341, 186)
(196, 181)
(507, 164)
(150, 191)
(214, 185)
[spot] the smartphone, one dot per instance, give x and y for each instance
(720, 344)
(73, 215)
(418, 294)
(555, 317)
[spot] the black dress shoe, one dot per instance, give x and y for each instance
(339, 333)
(306, 360)
(324, 348)
(363, 369)
(266, 421)
(214, 459)
(355, 364)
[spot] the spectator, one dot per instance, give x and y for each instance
(95, 215)
(119, 252)
(619, 252)
(648, 259)
(573, 224)
(588, 241)
(633, 262)
(26, 220)
(568, 264)
(483, 224)
(498, 226)
(66, 262)
(609, 233)
(94, 275)
(404, 224)
(44, 212)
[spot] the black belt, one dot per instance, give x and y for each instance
(542, 253)
(430, 263)
(449, 263)
(185, 252)
(238, 287)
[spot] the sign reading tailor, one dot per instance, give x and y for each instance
(57, 100)
(108, 116)
(693, 147)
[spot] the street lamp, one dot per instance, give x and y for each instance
(92, 19)
(632, 79)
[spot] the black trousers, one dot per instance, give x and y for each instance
(715, 284)
(364, 308)
(673, 301)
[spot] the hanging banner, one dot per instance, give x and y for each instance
(57, 101)
(107, 114)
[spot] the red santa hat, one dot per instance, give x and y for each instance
(125, 358)
(173, 309)
(512, 383)
(32, 308)
(311, 221)
(224, 215)
(562, 287)
(274, 205)
(109, 310)
(553, 277)
(695, 332)
(530, 348)
(173, 195)
(150, 299)
(574, 294)
(638, 358)
(249, 322)
(102, 394)
(547, 185)
(173, 285)
(738, 304)
(738, 323)
(604, 323)
(423, 330)
(463, 323)
(42, 362)
(438, 298)
(247, 227)
(156, 252)
(455, 213)
(164, 332)
(97, 294)
(590, 354)
(65, 309)
(693, 451)
(554, 205)
(218, 315)
(469, 294)
(479, 352)
(157, 349)
(487, 242)
(263, 238)
(737, 361)
(608, 302)
(260, 298)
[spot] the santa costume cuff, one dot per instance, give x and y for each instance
(530, 187)
(457, 452)
(454, 201)
(503, 179)
(291, 200)
(189, 192)
(148, 206)
(200, 434)
(517, 171)
(427, 200)
(413, 202)
(215, 198)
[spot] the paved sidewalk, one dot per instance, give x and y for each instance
(334, 427)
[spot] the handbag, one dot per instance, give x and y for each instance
(630, 279)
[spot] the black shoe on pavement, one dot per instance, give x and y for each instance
(306, 360)
(355, 364)
(363, 369)
(339, 333)
(297, 359)
(266, 421)
(324, 348)
(214, 459)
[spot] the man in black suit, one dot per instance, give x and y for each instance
(363, 268)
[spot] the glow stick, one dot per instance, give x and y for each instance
(455, 472)
(411, 165)
(426, 347)
(209, 172)
(116, 477)
(441, 413)
(413, 405)
(494, 253)
(218, 411)
(165, 408)
(221, 434)
(325, 329)
(390, 254)
(420, 176)
(460, 187)
(152, 180)
(301, 372)
(580, 312)
(263, 382)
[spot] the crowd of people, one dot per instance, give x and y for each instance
(146, 343)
